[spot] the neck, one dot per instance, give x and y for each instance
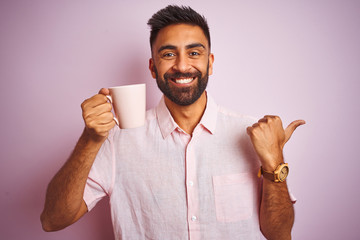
(187, 117)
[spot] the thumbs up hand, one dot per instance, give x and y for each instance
(269, 137)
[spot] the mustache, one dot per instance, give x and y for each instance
(182, 75)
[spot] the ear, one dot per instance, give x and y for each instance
(211, 61)
(151, 68)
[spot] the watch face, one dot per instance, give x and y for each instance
(283, 173)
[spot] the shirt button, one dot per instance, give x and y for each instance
(193, 218)
(191, 183)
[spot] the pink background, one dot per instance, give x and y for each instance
(297, 59)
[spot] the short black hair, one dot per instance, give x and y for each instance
(173, 14)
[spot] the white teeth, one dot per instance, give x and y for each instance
(183, 81)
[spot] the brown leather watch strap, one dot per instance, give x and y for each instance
(268, 175)
(278, 175)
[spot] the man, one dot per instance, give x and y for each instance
(191, 171)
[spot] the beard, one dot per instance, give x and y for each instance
(183, 96)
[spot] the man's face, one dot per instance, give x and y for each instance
(181, 63)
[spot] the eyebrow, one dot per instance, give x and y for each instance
(172, 47)
(195, 45)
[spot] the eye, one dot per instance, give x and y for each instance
(194, 54)
(168, 55)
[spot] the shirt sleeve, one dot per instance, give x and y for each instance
(100, 179)
(292, 197)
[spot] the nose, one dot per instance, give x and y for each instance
(182, 63)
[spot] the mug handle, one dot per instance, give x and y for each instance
(111, 101)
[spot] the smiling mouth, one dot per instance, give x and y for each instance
(183, 80)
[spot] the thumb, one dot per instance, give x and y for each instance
(291, 128)
(104, 91)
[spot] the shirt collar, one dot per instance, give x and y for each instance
(165, 120)
(168, 125)
(209, 118)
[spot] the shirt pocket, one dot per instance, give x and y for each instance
(234, 196)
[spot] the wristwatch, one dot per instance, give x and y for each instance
(279, 175)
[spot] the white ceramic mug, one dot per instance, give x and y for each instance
(129, 104)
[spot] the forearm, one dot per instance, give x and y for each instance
(64, 195)
(276, 211)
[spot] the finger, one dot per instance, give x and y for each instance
(291, 128)
(264, 119)
(94, 101)
(103, 130)
(106, 125)
(249, 130)
(270, 116)
(104, 91)
(97, 110)
(105, 118)
(101, 109)
(100, 122)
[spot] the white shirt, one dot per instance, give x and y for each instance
(164, 184)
